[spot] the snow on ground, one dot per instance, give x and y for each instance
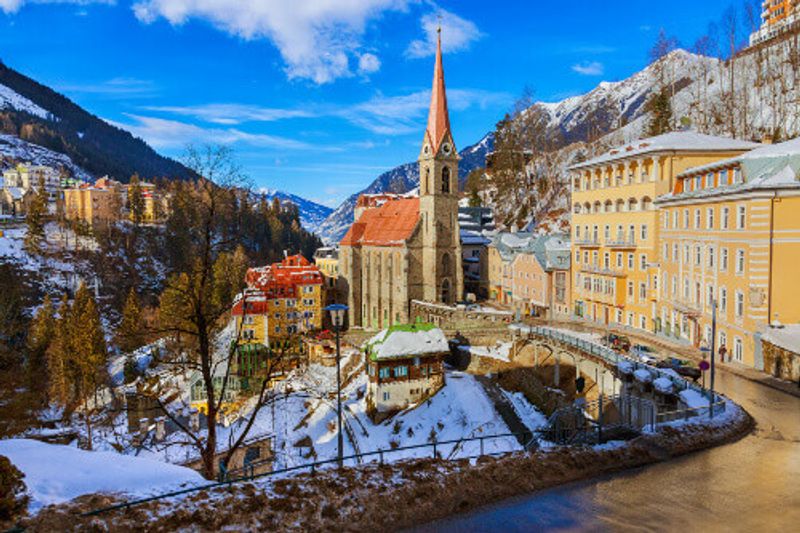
(501, 351)
(55, 473)
(10, 99)
(530, 416)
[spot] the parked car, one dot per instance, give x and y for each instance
(682, 366)
(617, 342)
(645, 354)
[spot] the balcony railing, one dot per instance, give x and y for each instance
(592, 269)
(587, 242)
(622, 242)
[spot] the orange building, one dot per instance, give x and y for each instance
(777, 16)
(93, 204)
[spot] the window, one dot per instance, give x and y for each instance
(642, 291)
(710, 218)
(643, 261)
(723, 300)
(400, 371)
(739, 304)
(675, 256)
(674, 285)
(446, 180)
(723, 178)
(630, 289)
(741, 216)
(630, 261)
(665, 253)
(577, 257)
(696, 219)
(723, 339)
(686, 289)
(643, 322)
(384, 372)
(738, 350)
(710, 298)
(386, 396)
(725, 215)
(740, 261)
(607, 233)
(577, 232)
(644, 232)
(607, 260)
(723, 259)
(737, 175)
(711, 257)
(685, 219)
(709, 180)
(698, 255)
(619, 260)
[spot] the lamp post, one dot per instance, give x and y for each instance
(337, 312)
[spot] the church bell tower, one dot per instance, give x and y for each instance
(438, 181)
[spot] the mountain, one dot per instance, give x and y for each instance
(312, 214)
(399, 180)
(40, 116)
(13, 150)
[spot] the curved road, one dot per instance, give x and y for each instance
(752, 485)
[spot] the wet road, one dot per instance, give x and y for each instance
(751, 485)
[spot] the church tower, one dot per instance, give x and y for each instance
(442, 273)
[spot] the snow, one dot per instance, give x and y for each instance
(55, 473)
(786, 337)
(625, 367)
(530, 416)
(400, 343)
(15, 149)
(13, 100)
(643, 375)
(501, 351)
(693, 399)
(663, 385)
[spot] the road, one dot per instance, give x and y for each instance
(752, 485)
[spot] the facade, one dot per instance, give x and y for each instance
(28, 177)
(401, 249)
(777, 17)
(94, 204)
(615, 223)
(730, 233)
(293, 294)
(155, 204)
(476, 224)
(251, 317)
(327, 261)
(404, 365)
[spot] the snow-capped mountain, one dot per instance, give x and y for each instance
(13, 149)
(44, 120)
(312, 214)
(399, 180)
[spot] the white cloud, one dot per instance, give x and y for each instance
(230, 114)
(161, 133)
(12, 6)
(316, 38)
(368, 63)
(457, 34)
(593, 68)
(120, 87)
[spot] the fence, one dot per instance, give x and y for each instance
(437, 449)
(586, 423)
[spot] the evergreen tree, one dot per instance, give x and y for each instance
(130, 333)
(56, 355)
(660, 107)
(41, 335)
(35, 219)
(136, 200)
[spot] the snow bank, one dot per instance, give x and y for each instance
(55, 474)
(693, 399)
(663, 385)
(501, 352)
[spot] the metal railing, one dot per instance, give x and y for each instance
(438, 449)
(615, 358)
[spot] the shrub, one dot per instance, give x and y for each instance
(13, 500)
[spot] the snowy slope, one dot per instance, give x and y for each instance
(12, 100)
(312, 214)
(13, 150)
(56, 474)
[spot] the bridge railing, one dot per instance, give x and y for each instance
(615, 358)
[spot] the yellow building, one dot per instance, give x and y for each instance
(327, 261)
(614, 223)
(730, 232)
(93, 204)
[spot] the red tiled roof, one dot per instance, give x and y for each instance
(388, 225)
(280, 280)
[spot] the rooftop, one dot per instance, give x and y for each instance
(409, 340)
(391, 224)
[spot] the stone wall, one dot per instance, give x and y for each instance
(458, 318)
(780, 362)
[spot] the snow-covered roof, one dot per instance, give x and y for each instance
(774, 166)
(407, 341)
(786, 337)
(473, 238)
(679, 141)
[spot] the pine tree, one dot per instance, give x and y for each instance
(130, 333)
(660, 107)
(57, 368)
(41, 335)
(136, 200)
(35, 219)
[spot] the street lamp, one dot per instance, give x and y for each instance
(337, 312)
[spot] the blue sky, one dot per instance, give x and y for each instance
(318, 97)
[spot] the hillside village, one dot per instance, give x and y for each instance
(563, 292)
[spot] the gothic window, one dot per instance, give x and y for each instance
(427, 183)
(446, 291)
(446, 180)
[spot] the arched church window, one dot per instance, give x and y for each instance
(446, 291)
(446, 180)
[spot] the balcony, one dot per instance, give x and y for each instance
(622, 243)
(591, 269)
(587, 242)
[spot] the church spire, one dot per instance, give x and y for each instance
(438, 117)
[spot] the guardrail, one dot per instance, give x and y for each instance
(437, 448)
(614, 357)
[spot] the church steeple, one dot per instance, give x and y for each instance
(438, 118)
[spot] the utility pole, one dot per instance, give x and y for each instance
(339, 396)
(713, 353)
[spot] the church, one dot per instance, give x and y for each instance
(400, 247)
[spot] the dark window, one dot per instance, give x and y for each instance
(446, 180)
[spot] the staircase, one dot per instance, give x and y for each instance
(507, 412)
